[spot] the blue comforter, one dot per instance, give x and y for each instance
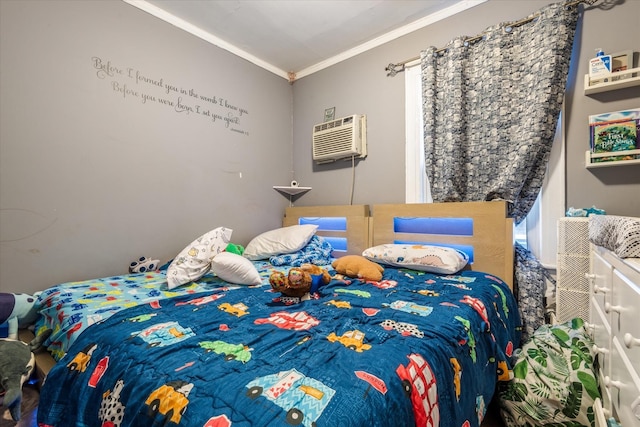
(413, 349)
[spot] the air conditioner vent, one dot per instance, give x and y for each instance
(339, 139)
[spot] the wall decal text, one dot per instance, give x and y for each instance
(132, 84)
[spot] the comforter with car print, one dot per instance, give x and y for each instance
(413, 349)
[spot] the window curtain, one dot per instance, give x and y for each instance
(491, 105)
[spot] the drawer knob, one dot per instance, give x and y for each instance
(590, 327)
(608, 383)
(601, 350)
(600, 289)
(608, 308)
(630, 341)
(589, 276)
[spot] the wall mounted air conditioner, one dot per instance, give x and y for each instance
(340, 139)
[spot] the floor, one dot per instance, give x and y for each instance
(30, 397)
(30, 409)
(492, 418)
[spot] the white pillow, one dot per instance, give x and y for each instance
(279, 241)
(434, 259)
(195, 260)
(235, 268)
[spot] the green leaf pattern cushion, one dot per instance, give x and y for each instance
(554, 380)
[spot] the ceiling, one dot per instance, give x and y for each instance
(294, 38)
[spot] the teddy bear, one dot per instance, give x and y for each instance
(359, 267)
(18, 310)
(299, 281)
(319, 276)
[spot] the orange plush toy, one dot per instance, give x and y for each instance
(358, 267)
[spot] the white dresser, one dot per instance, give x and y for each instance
(615, 325)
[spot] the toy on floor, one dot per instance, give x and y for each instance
(359, 267)
(299, 281)
(18, 310)
(17, 361)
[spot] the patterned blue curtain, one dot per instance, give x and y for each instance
(491, 106)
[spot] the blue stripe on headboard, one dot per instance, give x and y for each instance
(328, 223)
(337, 243)
(446, 226)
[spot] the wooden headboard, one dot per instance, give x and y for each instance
(351, 225)
(490, 234)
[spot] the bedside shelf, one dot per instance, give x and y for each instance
(630, 81)
(291, 191)
(589, 156)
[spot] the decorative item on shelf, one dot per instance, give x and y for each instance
(611, 72)
(599, 68)
(614, 137)
(621, 61)
(329, 114)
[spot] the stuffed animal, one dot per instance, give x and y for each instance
(17, 361)
(357, 266)
(299, 280)
(16, 364)
(319, 276)
(18, 310)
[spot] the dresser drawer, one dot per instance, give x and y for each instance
(599, 414)
(601, 287)
(624, 386)
(601, 333)
(624, 318)
(605, 403)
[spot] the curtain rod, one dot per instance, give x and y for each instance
(393, 69)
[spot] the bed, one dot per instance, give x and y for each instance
(416, 348)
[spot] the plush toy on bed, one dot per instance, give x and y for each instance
(17, 361)
(299, 281)
(16, 364)
(359, 267)
(18, 311)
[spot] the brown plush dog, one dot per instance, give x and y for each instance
(359, 267)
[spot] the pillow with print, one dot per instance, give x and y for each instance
(431, 258)
(194, 261)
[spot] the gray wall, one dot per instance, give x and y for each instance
(616, 189)
(360, 86)
(91, 178)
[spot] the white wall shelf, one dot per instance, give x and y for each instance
(291, 191)
(629, 80)
(589, 156)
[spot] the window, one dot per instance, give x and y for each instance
(538, 230)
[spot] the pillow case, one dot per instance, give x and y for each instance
(235, 268)
(279, 241)
(617, 233)
(195, 260)
(434, 259)
(554, 380)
